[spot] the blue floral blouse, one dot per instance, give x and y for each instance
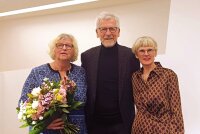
(77, 74)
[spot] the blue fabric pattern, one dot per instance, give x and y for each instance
(77, 74)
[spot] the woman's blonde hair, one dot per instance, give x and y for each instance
(144, 41)
(52, 45)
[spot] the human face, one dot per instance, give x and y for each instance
(146, 55)
(64, 50)
(108, 32)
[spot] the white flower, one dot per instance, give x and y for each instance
(22, 106)
(20, 115)
(40, 118)
(46, 79)
(24, 117)
(35, 104)
(33, 122)
(55, 90)
(36, 91)
(23, 110)
(51, 83)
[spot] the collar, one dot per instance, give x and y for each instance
(158, 70)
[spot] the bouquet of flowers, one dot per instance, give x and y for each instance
(48, 102)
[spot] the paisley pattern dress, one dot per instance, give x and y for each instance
(157, 102)
(77, 74)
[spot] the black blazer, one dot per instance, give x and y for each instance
(127, 65)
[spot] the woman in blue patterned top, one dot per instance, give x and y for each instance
(63, 51)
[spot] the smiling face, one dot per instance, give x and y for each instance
(64, 49)
(145, 49)
(108, 32)
(146, 55)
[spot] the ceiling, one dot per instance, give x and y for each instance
(10, 5)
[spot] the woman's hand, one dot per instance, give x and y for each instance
(56, 124)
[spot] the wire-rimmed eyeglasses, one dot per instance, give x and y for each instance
(105, 29)
(67, 46)
(147, 51)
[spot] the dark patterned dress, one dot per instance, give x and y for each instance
(157, 102)
(77, 74)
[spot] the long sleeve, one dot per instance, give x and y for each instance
(30, 83)
(176, 123)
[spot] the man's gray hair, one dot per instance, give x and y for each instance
(106, 16)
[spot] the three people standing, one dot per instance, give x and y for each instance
(115, 83)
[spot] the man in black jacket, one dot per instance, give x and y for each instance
(109, 67)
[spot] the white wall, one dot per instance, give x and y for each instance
(182, 52)
(1, 99)
(12, 85)
(23, 44)
(26, 39)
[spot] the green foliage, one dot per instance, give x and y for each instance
(57, 108)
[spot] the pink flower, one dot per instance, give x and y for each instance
(47, 100)
(63, 93)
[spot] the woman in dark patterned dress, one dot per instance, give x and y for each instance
(63, 51)
(156, 93)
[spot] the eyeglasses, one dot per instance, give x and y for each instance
(148, 51)
(111, 29)
(67, 46)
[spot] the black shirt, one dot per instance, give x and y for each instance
(107, 99)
